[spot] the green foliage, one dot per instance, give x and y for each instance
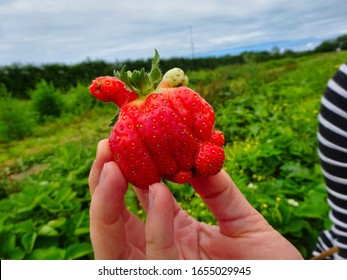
(77, 101)
(49, 218)
(191, 202)
(140, 81)
(21, 79)
(46, 100)
(271, 150)
(3, 91)
(339, 43)
(17, 120)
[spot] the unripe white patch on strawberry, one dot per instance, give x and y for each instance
(175, 78)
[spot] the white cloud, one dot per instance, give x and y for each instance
(42, 31)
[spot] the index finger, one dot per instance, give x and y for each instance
(103, 155)
(234, 213)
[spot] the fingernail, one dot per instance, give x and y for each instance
(104, 173)
(150, 196)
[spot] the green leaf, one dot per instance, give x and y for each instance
(6, 205)
(65, 195)
(8, 242)
(24, 201)
(25, 226)
(113, 120)
(47, 230)
(156, 59)
(28, 241)
(82, 231)
(51, 205)
(52, 253)
(77, 220)
(295, 227)
(309, 208)
(8, 248)
(155, 74)
(140, 81)
(124, 76)
(76, 251)
(57, 223)
(16, 254)
(285, 211)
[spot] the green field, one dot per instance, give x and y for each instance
(267, 111)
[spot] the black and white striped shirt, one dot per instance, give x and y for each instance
(332, 141)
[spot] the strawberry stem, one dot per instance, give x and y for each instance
(141, 82)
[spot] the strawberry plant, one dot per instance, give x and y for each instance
(271, 150)
(48, 218)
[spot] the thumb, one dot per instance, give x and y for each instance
(159, 230)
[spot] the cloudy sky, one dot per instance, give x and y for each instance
(71, 31)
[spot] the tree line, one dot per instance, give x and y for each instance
(20, 80)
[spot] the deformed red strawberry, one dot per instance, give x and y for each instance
(110, 89)
(165, 131)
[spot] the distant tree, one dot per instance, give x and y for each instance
(264, 56)
(342, 42)
(275, 50)
(333, 45)
(327, 46)
(288, 53)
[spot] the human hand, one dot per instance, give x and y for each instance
(169, 232)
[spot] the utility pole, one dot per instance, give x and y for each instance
(191, 41)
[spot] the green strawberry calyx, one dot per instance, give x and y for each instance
(143, 83)
(140, 81)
